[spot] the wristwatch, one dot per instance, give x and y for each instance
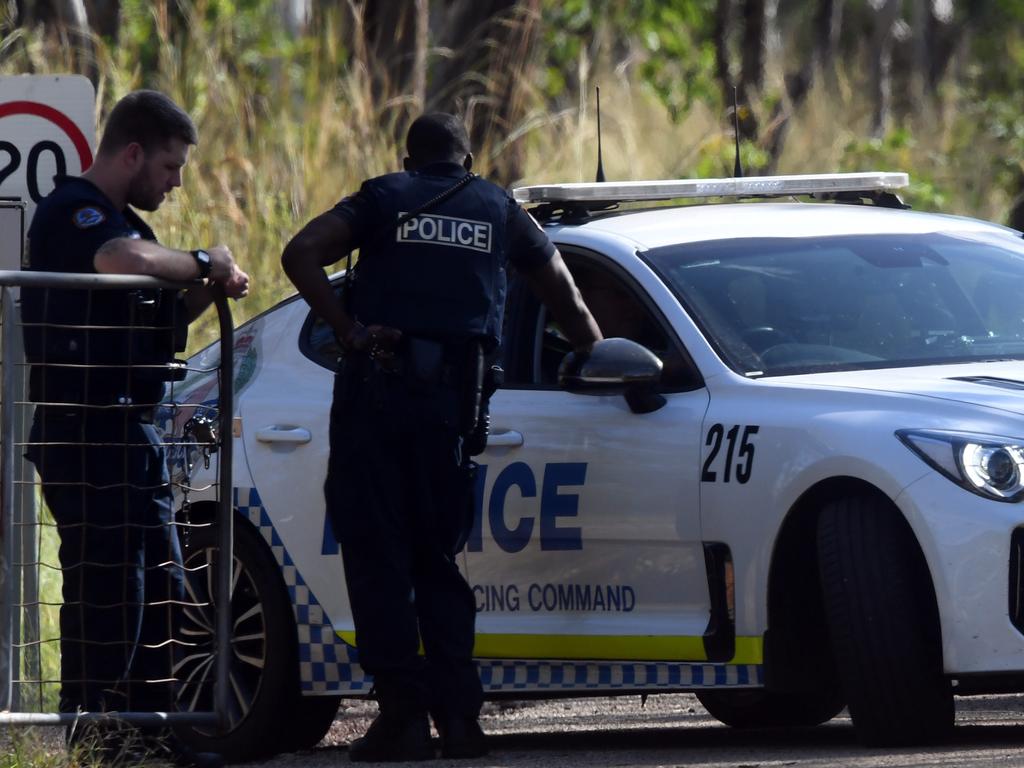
(203, 260)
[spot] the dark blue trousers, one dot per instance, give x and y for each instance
(105, 481)
(398, 498)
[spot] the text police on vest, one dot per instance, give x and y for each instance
(447, 231)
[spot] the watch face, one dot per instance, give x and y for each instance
(203, 259)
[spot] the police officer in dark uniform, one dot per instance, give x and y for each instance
(100, 363)
(425, 309)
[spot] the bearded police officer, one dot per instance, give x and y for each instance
(424, 310)
(100, 361)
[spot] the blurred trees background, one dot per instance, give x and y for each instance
(297, 100)
(482, 58)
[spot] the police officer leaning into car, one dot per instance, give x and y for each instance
(99, 366)
(425, 308)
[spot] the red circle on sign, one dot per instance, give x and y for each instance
(56, 117)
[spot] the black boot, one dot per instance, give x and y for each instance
(460, 737)
(394, 737)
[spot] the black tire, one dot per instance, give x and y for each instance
(758, 708)
(310, 719)
(883, 623)
(264, 662)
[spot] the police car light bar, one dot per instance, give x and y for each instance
(672, 189)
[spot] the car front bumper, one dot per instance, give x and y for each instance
(966, 540)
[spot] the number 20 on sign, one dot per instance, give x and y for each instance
(47, 128)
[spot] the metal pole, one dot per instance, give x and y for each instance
(137, 718)
(7, 570)
(83, 280)
(26, 522)
(225, 509)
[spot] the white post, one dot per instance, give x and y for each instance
(12, 245)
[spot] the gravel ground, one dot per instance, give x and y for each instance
(675, 730)
(667, 731)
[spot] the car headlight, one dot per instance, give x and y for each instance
(987, 465)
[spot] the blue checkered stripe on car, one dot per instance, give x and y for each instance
(501, 675)
(327, 664)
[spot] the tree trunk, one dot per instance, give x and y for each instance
(827, 28)
(920, 56)
(944, 35)
(384, 41)
(754, 43)
(492, 47)
(819, 57)
(419, 63)
(105, 16)
(69, 21)
(296, 15)
(720, 38)
(752, 68)
(881, 65)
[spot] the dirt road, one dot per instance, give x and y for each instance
(674, 730)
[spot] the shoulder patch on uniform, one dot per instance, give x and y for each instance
(87, 217)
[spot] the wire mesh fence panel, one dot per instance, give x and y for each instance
(108, 444)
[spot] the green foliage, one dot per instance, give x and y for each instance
(290, 124)
(670, 39)
(897, 150)
(38, 748)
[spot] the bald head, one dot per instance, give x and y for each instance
(436, 137)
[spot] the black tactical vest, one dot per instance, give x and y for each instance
(442, 274)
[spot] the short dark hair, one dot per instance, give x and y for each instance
(436, 137)
(149, 118)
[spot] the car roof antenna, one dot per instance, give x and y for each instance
(737, 170)
(600, 167)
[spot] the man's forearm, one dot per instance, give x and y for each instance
(311, 282)
(128, 256)
(319, 243)
(196, 301)
(554, 286)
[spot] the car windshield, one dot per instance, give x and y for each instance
(776, 306)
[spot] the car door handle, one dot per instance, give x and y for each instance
(507, 438)
(279, 434)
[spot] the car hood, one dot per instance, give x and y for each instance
(997, 385)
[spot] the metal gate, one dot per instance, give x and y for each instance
(28, 534)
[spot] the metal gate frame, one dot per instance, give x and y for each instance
(12, 580)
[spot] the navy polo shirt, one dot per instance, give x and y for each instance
(124, 335)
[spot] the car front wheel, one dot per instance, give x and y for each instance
(758, 708)
(263, 676)
(883, 623)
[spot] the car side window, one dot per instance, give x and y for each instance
(619, 310)
(317, 341)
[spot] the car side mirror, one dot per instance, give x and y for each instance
(615, 367)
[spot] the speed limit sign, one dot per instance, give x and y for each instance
(47, 127)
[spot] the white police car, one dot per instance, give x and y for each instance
(817, 505)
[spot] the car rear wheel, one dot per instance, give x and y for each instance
(758, 708)
(264, 667)
(883, 623)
